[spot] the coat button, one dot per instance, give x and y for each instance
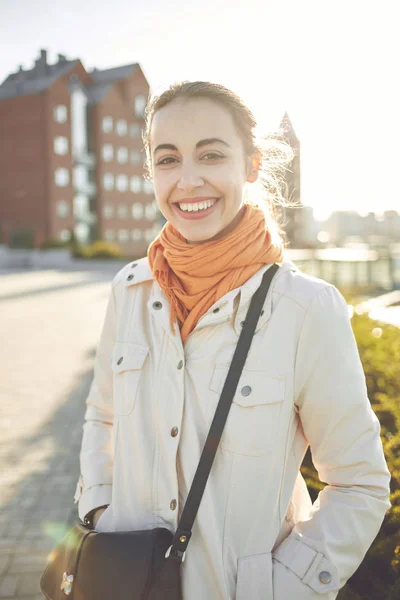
(157, 305)
(174, 431)
(130, 277)
(134, 265)
(173, 504)
(216, 310)
(180, 364)
(325, 577)
(246, 390)
(120, 360)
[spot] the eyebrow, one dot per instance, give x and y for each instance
(199, 144)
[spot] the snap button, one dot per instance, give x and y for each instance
(157, 305)
(174, 431)
(262, 312)
(325, 577)
(180, 364)
(246, 390)
(130, 277)
(120, 360)
(134, 265)
(216, 310)
(173, 504)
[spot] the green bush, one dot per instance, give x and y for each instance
(23, 239)
(378, 577)
(98, 250)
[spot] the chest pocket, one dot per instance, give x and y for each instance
(253, 420)
(127, 365)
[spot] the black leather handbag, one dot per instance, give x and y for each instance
(145, 565)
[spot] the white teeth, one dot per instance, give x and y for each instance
(196, 206)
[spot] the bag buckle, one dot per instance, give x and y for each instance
(178, 556)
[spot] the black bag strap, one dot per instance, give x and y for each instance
(184, 531)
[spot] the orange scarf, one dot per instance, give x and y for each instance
(195, 276)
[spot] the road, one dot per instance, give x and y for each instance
(50, 323)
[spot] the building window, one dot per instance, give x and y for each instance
(123, 235)
(122, 155)
(140, 105)
(108, 211)
(107, 152)
(61, 177)
(107, 124)
(136, 235)
(122, 183)
(60, 114)
(62, 208)
(122, 211)
(147, 187)
(134, 130)
(109, 235)
(149, 235)
(122, 127)
(137, 210)
(64, 235)
(61, 145)
(108, 181)
(135, 184)
(136, 158)
(150, 211)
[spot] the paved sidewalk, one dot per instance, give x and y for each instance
(49, 328)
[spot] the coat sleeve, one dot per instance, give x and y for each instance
(344, 437)
(96, 455)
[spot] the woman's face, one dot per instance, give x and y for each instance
(198, 157)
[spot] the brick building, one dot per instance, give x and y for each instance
(71, 155)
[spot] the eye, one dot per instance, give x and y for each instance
(162, 161)
(214, 155)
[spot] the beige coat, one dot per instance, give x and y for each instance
(257, 536)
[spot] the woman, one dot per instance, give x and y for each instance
(172, 324)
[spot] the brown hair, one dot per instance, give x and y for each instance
(269, 192)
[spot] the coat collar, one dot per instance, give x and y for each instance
(223, 310)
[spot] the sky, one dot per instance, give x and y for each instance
(332, 65)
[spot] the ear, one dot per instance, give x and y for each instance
(253, 167)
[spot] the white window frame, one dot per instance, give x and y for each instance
(135, 184)
(109, 235)
(137, 235)
(108, 181)
(122, 211)
(136, 157)
(107, 152)
(60, 113)
(62, 177)
(121, 127)
(134, 130)
(137, 210)
(122, 155)
(60, 145)
(63, 209)
(108, 211)
(121, 183)
(64, 235)
(107, 124)
(147, 187)
(123, 235)
(140, 105)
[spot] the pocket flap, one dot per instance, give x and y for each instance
(128, 356)
(254, 388)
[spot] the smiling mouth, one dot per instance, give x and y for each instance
(196, 207)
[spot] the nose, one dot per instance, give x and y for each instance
(189, 180)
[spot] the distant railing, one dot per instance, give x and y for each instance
(372, 268)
